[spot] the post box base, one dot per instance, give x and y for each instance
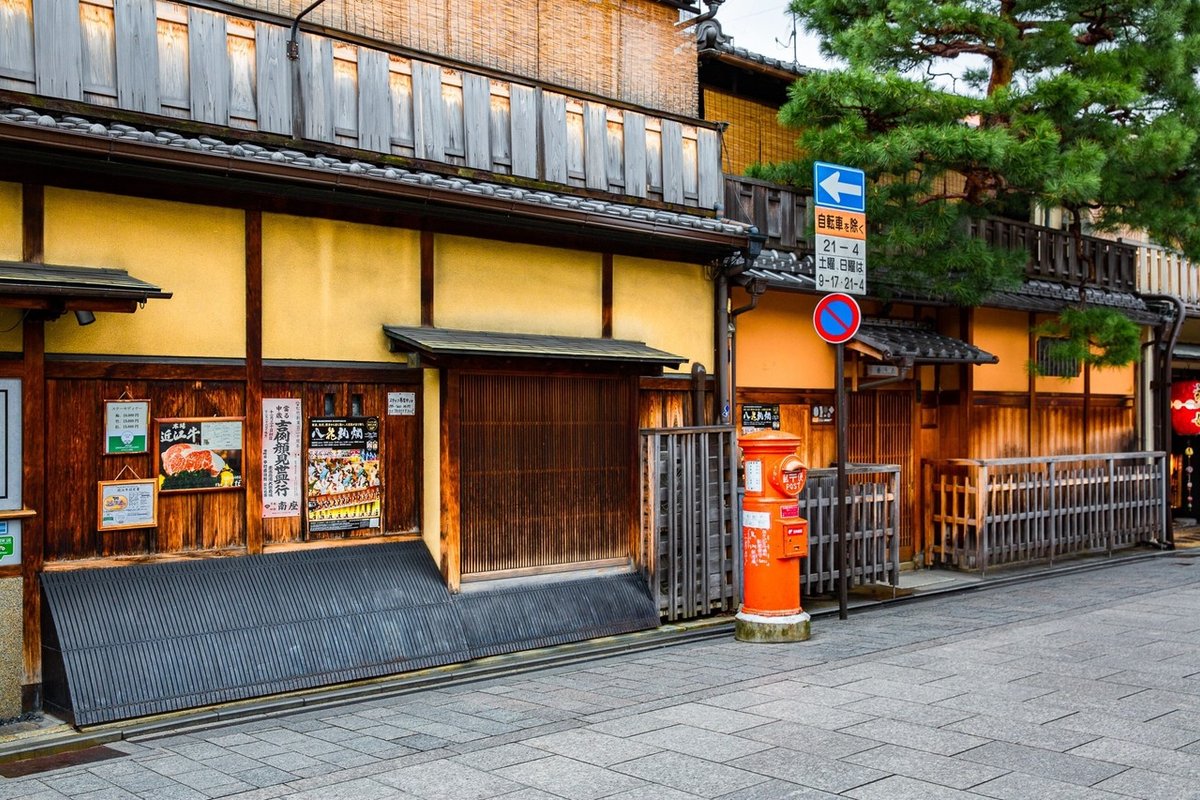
(759, 628)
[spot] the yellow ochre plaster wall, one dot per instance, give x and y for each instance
(667, 305)
(516, 288)
(777, 346)
(10, 221)
(1004, 334)
(329, 287)
(196, 252)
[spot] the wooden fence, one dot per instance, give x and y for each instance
(983, 513)
(689, 520)
(202, 65)
(691, 535)
(1165, 271)
(873, 534)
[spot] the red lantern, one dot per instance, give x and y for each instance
(1185, 408)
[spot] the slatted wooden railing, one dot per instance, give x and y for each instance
(983, 513)
(873, 533)
(1165, 271)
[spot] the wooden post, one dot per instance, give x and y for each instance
(451, 480)
(606, 296)
(427, 278)
(252, 455)
(982, 490)
(33, 480)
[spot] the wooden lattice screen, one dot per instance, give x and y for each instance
(547, 471)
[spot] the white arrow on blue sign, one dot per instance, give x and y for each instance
(838, 186)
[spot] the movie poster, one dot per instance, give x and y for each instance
(344, 486)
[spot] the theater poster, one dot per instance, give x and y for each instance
(344, 485)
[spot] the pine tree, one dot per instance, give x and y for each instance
(1084, 105)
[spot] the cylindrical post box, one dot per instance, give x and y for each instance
(774, 539)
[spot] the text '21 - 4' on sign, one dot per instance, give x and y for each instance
(839, 193)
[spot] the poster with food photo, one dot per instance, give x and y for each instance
(200, 453)
(342, 476)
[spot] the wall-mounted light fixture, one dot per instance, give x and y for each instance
(84, 317)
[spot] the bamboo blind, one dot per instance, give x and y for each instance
(754, 135)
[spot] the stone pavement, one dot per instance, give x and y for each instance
(1075, 687)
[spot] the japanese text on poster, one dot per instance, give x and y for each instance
(344, 487)
(199, 453)
(126, 425)
(281, 443)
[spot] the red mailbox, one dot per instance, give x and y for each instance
(774, 539)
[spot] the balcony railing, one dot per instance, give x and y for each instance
(1164, 271)
(782, 215)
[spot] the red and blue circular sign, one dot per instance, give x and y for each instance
(837, 317)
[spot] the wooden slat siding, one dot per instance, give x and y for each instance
(672, 161)
(614, 150)
(98, 54)
(711, 180)
(595, 145)
(452, 117)
(344, 81)
(273, 85)
(16, 46)
(316, 82)
(252, 455)
(137, 54)
(451, 476)
(57, 56)
(208, 66)
(554, 137)
(523, 110)
(174, 79)
(635, 154)
(400, 89)
(240, 43)
(477, 114)
(374, 102)
(429, 124)
(690, 167)
(544, 470)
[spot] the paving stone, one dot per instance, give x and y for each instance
(647, 792)
(1026, 733)
(701, 743)
(1035, 711)
(229, 762)
(263, 775)
(446, 780)
(721, 720)
(76, 783)
(779, 790)
(920, 737)
(111, 793)
(505, 755)
(918, 713)
(819, 716)
(897, 787)
(690, 774)
(898, 690)
(925, 766)
(1152, 785)
(1022, 786)
(360, 789)
(1133, 754)
(565, 777)
(593, 747)
(1154, 733)
(175, 791)
(808, 739)
(1063, 767)
(808, 770)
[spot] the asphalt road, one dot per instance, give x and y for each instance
(1075, 687)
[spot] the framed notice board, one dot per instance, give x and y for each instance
(199, 453)
(127, 504)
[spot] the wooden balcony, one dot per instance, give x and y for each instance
(1164, 271)
(198, 65)
(782, 215)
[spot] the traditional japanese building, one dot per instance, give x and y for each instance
(403, 275)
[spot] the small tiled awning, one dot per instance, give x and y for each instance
(32, 285)
(1186, 352)
(437, 345)
(909, 343)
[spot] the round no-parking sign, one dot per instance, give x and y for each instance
(837, 317)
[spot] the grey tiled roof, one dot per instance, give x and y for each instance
(50, 280)
(727, 48)
(913, 343)
(446, 342)
(783, 270)
(333, 166)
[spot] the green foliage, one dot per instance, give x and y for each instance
(1100, 337)
(1091, 106)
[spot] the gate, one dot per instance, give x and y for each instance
(689, 520)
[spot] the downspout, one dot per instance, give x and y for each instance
(721, 331)
(756, 288)
(293, 54)
(1162, 387)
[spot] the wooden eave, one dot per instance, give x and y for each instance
(58, 288)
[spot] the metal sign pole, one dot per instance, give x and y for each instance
(841, 515)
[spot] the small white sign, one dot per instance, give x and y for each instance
(841, 264)
(754, 476)
(756, 519)
(402, 404)
(10, 543)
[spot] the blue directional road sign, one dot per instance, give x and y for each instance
(840, 187)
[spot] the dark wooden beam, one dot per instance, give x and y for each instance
(33, 223)
(606, 296)
(33, 491)
(427, 278)
(451, 532)
(252, 465)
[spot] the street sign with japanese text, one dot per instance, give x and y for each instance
(840, 220)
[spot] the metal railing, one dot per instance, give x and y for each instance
(983, 513)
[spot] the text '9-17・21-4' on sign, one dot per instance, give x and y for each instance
(839, 195)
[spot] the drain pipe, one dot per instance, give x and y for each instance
(757, 289)
(1162, 386)
(293, 54)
